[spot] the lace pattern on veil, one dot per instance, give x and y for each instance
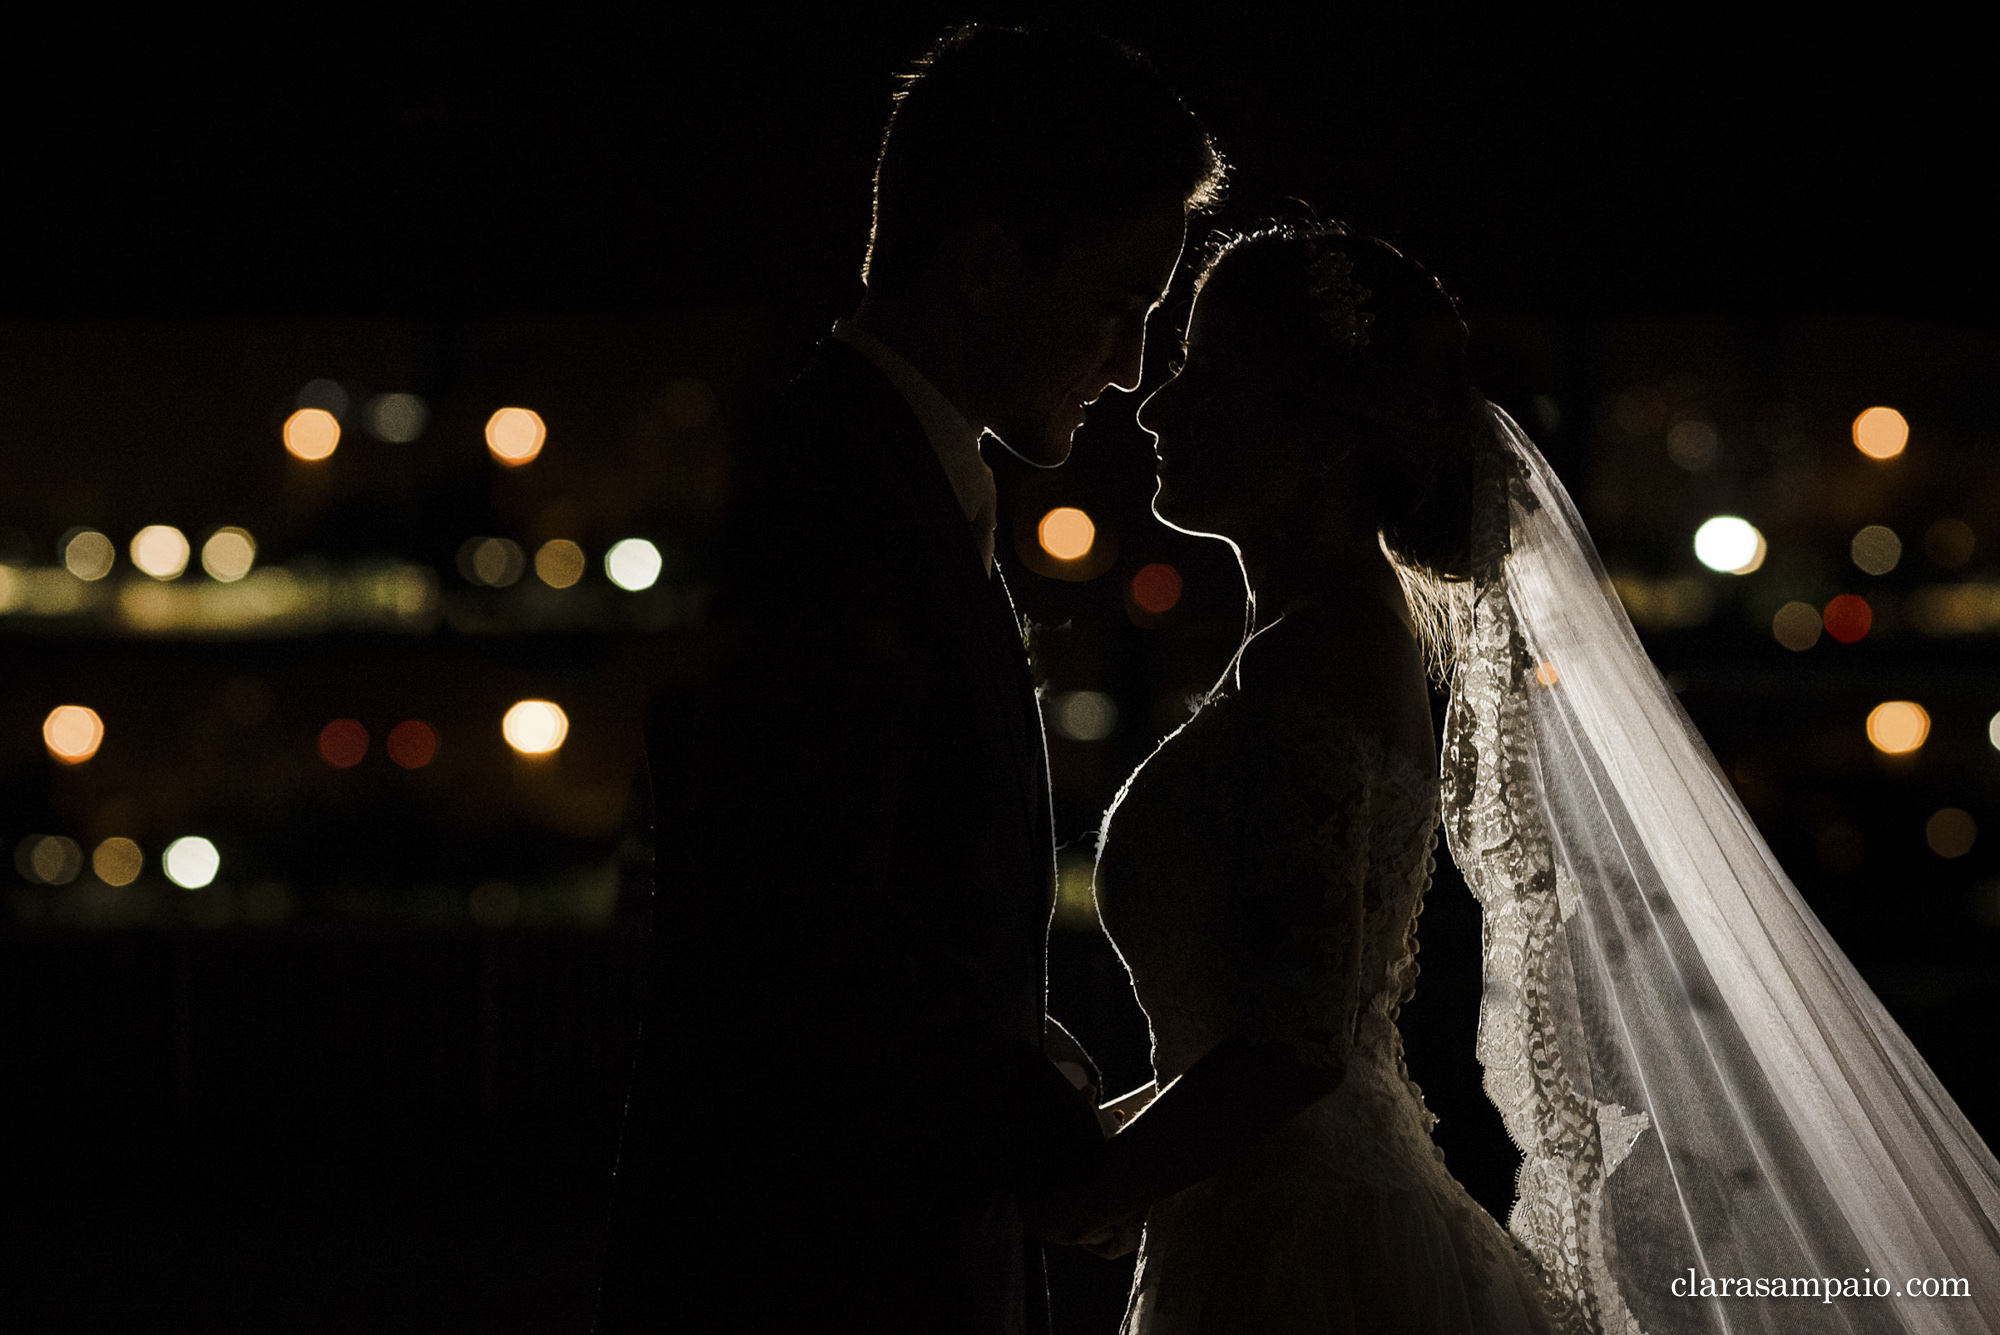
(1500, 836)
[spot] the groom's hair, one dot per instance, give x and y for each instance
(1054, 134)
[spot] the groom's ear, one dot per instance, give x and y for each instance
(983, 263)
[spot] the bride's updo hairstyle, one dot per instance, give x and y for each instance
(1351, 328)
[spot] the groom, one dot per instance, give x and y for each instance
(846, 1079)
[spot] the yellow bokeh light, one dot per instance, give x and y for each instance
(118, 861)
(1881, 433)
(72, 733)
(535, 727)
(1066, 533)
(1898, 727)
(311, 434)
(559, 563)
(161, 550)
(515, 435)
(89, 555)
(228, 555)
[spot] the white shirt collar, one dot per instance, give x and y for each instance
(953, 439)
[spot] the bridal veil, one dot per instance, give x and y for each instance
(1702, 1086)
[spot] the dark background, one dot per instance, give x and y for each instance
(372, 1112)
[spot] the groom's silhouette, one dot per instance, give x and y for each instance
(845, 1076)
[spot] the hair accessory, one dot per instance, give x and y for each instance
(1340, 297)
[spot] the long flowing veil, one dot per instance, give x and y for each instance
(1702, 1086)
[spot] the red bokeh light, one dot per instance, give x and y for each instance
(1848, 618)
(1156, 588)
(342, 743)
(413, 743)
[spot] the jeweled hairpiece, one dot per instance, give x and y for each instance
(1340, 298)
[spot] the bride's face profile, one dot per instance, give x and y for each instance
(1232, 462)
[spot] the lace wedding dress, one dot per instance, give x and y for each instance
(1227, 877)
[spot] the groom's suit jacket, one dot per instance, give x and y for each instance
(841, 1088)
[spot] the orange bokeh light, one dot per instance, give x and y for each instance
(413, 744)
(1898, 727)
(312, 434)
(1848, 617)
(1157, 588)
(1881, 433)
(343, 743)
(72, 733)
(515, 435)
(1066, 533)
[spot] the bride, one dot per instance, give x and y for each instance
(1721, 1128)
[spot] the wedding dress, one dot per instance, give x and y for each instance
(1702, 1087)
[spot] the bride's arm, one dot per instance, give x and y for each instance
(1119, 1112)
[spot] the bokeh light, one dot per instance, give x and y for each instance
(1157, 588)
(343, 743)
(1066, 533)
(1546, 674)
(633, 564)
(1848, 617)
(412, 744)
(1730, 545)
(1993, 731)
(1949, 543)
(161, 550)
(559, 563)
(396, 418)
(48, 859)
(88, 554)
(191, 862)
(497, 562)
(535, 727)
(1876, 549)
(1797, 626)
(1084, 716)
(1898, 727)
(228, 554)
(72, 733)
(515, 435)
(312, 434)
(118, 861)
(1881, 433)
(328, 395)
(1951, 832)
(1693, 445)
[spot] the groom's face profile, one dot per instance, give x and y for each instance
(1055, 335)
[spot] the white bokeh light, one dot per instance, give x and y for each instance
(1730, 545)
(535, 727)
(161, 550)
(633, 564)
(191, 862)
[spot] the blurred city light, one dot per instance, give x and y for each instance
(559, 563)
(312, 434)
(1993, 731)
(1797, 626)
(72, 733)
(118, 861)
(326, 395)
(515, 435)
(1949, 543)
(1898, 727)
(48, 859)
(633, 564)
(1693, 445)
(412, 744)
(396, 418)
(1881, 433)
(1848, 617)
(228, 554)
(1730, 545)
(1547, 675)
(191, 862)
(494, 904)
(495, 562)
(1084, 716)
(88, 554)
(1066, 533)
(1951, 832)
(535, 727)
(161, 550)
(343, 743)
(1157, 588)
(1076, 905)
(1876, 549)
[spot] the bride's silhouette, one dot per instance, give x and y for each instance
(1702, 1088)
